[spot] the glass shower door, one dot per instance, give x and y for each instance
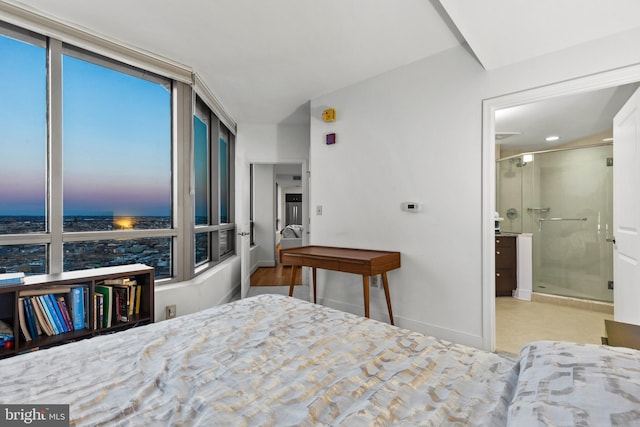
(571, 216)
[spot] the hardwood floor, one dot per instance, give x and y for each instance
(274, 276)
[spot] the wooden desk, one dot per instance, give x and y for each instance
(357, 261)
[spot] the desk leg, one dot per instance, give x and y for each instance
(385, 283)
(292, 283)
(365, 289)
(314, 285)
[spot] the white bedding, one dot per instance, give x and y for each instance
(278, 361)
(266, 360)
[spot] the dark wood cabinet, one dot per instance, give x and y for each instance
(506, 265)
(87, 279)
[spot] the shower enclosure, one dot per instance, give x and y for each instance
(564, 198)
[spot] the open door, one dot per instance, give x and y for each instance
(626, 211)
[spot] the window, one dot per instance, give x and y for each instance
(214, 235)
(224, 175)
(117, 162)
(152, 251)
(29, 259)
(116, 149)
(23, 134)
(93, 161)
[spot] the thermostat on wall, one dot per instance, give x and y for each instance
(411, 206)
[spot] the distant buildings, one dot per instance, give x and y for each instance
(32, 258)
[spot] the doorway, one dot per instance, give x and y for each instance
(279, 196)
(490, 107)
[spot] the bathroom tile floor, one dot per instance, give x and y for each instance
(519, 322)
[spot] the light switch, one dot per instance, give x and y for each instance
(319, 210)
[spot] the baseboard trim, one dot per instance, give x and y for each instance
(406, 323)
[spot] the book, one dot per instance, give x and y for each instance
(23, 320)
(65, 312)
(107, 293)
(35, 317)
(11, 279)
(100, 309)
(56, 309)
(49, 290)
(95, 311)
(119, 281)
(77, 306)
(31, 318)
(41, 315)
(138, 292)
(85, 307)
(50, 316)
(132, 299)
(121, 300)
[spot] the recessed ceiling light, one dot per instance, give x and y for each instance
(552, 138)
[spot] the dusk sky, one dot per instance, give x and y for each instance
(116, 137)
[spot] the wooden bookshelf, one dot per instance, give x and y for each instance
(9, 308)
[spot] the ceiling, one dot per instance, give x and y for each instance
(265, 60)
(288, 175)
(525, 127)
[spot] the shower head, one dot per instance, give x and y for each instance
(518, 161)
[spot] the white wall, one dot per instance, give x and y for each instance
(415, 134)
(215, 286)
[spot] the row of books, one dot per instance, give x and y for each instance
(117, 299)
(54, 311)
(51, 311)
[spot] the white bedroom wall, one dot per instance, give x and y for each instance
(414, 134)
(213, 287)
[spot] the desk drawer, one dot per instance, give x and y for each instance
(355, 267)
(328, 264)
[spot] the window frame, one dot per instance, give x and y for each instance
(214, 228)
(184, 86)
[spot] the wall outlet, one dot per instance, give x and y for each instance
(374, 281)
(170, 311)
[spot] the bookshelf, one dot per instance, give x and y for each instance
(58, 285)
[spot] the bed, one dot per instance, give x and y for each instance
(275, 361)
(291, 236)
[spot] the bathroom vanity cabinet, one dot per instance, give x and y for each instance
(506, 265)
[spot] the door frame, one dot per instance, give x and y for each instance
(246, 194)
(589, 83)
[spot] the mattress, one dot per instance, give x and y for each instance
(266, 360)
